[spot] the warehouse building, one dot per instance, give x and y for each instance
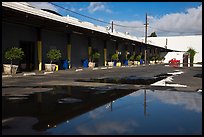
(37, 31)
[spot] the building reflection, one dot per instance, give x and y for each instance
(49, 112)
(110, 105)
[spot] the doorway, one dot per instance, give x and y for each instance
(28, 61)
(185, 59)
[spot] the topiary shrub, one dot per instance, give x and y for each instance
(14, 53)
(54, 55)
(114, 57)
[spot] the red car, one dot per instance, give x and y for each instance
(174, 61)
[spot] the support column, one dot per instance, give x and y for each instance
(89, 49)
(126, 51)
(39, 44)
(105, 52)
(145, 56)
(69, 49)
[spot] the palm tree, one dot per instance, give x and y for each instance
(192, 53)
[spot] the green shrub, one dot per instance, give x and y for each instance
(138, 57)
(95, 56)
(114, 56)
(14, 53)
(54, 55)
(132, 58)
(192, 53)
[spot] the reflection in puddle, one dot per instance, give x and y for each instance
(114, 112)
(167, 82)
(127, 80)
(69, 100)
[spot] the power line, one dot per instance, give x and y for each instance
(93, 18)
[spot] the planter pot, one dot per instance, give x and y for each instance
(118, 64)
(49, 67)
(136, 63)
(110, 64)
(8, 67)
(92, 64)
(130, 63)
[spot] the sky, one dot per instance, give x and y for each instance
(164, 18)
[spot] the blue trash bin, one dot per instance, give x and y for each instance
(141, 61)
(65, 64)
(85, 63)
(126, 62)
(115, 62)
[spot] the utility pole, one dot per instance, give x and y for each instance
(146, 30)
(112, 27)
(146, 39)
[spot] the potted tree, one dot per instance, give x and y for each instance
(52, 55)
(152, 60)
(94, 59)
(114, 59)
(132, 59)
(138, 58)
(12, 54)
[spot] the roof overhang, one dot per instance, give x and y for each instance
(26, 15)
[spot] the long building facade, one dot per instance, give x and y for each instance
(37, 31)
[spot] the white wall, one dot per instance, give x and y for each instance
(180, 43)
(176, 55)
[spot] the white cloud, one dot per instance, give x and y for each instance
(191, 21)
(43, 5)
(98, 6)
(81, 9)
(169, 24)
(73, 9)
(137, 31)
(108, 127)
(190, 101)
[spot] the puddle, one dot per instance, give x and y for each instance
(167, 82)
(198, 75)
(62, 103)
(113, 112)
(128, 80)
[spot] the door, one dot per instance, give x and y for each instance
(185, 60)
(27, 63)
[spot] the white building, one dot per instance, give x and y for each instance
(179, 43)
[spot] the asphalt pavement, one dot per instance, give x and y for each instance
(191, 77)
